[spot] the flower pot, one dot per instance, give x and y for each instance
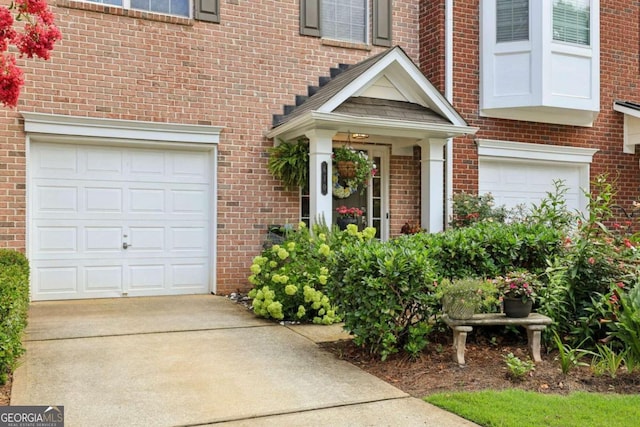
(346, 169)
(458, 309)
(514, 307)
(344, 221)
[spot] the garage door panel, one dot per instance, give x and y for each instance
(56, 199)
(52, 279)
(188, 201)
(147, 200)
(56, 240)
(156, 201)
(147, 239)
(103, 239)
(188, 276)
(103, 200)
(55, 160)
(189, 239)
(102, 163)
(516, 182)
(146, 277)
(102, 278)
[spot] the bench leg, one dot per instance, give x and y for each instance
(534, 333)
(459, 342)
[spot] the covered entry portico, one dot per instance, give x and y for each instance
(387, 101)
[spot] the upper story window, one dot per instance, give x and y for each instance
(168, 7)
(512, 20)
(571, 21)
(344, 20)
(347, 20)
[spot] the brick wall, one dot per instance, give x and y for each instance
(147, 67)
(619, 79)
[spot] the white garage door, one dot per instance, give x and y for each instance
(513, 182)
(114, 221)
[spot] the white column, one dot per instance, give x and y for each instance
(320, 150)
(432, 184)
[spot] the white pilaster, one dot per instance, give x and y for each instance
(432, 184)
(320, 150)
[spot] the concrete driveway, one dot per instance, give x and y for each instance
(198, 360)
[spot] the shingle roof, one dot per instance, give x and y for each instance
(388, 109)
(357, 106)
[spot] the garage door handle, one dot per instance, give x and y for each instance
(125, 245)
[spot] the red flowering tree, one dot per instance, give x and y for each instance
(36, 38)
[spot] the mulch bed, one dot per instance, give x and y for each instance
(435, 371)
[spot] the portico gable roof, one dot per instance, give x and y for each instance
(385, 95)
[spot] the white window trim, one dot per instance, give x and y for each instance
(529, 151)
(126, 4)
(367, 28)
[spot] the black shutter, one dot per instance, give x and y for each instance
(382, 14)
(208, 10)
(310, 18)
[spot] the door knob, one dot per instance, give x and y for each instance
(125, 245)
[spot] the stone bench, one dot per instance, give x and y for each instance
(534, 324)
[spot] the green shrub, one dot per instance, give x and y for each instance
(518, 368)
(626, 327)
(386, 293)
(490, 249)
(470, 208)
(289, 278)
(14, 303)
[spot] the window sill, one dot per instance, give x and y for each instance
(345, 44)
(112, 10)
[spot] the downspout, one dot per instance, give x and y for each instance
(448, 94)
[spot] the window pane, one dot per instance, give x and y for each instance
(512, 20)
(344, 20)
(171, 7)
(108, 2)
(571, 21)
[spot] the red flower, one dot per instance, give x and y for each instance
(628, 243)
(344, 211)
(11, 80)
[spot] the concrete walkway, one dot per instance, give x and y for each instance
(198, 360)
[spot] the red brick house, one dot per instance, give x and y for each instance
(135, 163)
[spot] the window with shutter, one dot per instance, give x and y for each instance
(347, 20)
(571, 21)
(512, 20)
(344, 20)
(167, 7)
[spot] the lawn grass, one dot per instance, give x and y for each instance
(518, 408)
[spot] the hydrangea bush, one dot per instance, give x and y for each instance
(289, 279)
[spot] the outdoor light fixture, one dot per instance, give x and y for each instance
(359, 136)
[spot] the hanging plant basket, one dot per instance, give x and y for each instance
(346, 169)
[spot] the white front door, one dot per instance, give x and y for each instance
(114, 221)
(374, 199)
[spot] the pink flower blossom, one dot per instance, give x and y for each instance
(11, 80)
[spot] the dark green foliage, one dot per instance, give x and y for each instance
(14, 303)
(386, 293)
(289, 162)
(490, 249)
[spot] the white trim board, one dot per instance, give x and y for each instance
(524, 150)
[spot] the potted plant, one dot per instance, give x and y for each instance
(518, 291)
(348, 216)
(461, 297)
(289, 162)
(352, 170)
